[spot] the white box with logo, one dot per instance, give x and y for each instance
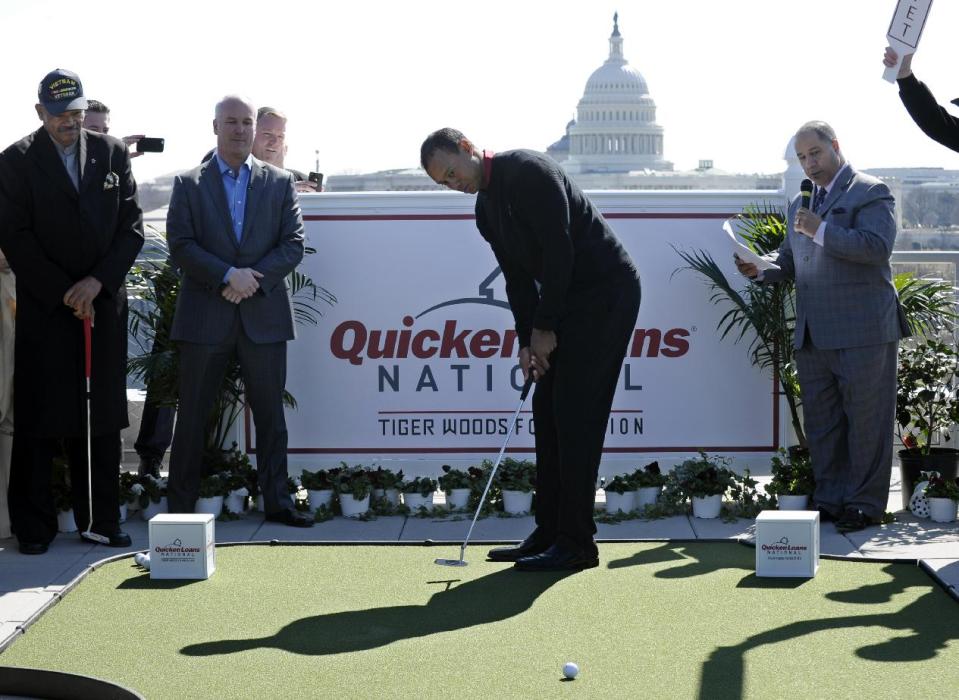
(787, 543)
(182, 546)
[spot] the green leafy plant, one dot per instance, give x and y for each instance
(423, 485)
(212, 486)
(649, 476)
(320, 480)
(791, 476)
(621, 483)
(454, 479)
(354, 481)
(516, 475)
(129, 487)
(927, 403)
(701, 477)
(938, 487)
(386, 478)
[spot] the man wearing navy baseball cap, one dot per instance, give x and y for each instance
(71, 228)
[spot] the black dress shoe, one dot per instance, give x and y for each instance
(33, 548)
(528, 547)
(118, 538)
(557, 558)
(853, 520)
(291, 517)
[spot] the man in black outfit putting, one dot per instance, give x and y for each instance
(574, 293)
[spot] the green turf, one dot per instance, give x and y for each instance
(654, 620)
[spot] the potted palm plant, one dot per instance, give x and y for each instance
(457, 484)
(129, 490)
(927, 405)
(704, 481)
(649, 483)
(62, 495)
(418, 493)
(792, 483)
(620, 494)
(942, 495)
(517, 480)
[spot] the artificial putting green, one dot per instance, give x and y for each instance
(654, 620)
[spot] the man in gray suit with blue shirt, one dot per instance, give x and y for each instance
(848, 326)
(235, 231)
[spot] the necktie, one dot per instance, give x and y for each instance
(818, 199)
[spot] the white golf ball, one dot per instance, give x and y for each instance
(570, 670)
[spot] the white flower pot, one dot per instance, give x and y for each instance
(942, 510)
(620, 502)
(235, 501)
(392, 496)
(707, 507)
(260, 506)
(517, 502)
(133, 506)
(647, 496)
(65, 521)
(415, 501)
(457, 499)
(354, 507)
(788, 502)
(213, 506)
(123, 512)
(319, 497)
(154, 509)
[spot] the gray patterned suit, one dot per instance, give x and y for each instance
(209, 329)
(848, 325)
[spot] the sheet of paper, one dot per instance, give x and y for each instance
(744, 253)
(905, 30)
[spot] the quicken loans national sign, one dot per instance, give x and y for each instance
(419, 355)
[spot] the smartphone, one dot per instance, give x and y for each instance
(150, 145)
(316, 178)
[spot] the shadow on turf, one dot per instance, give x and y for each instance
(491, 598)
(928, 623)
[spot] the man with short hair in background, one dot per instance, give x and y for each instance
(71, 228)
(235, 231)
(97, 118)
(269, 144)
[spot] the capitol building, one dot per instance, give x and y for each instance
(613, 144)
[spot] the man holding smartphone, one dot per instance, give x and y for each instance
(97, 119)
(269, 145)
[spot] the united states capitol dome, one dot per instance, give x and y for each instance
(615, 129)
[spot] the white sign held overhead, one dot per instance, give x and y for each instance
(906, 27)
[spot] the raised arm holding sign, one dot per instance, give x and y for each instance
(906, 27)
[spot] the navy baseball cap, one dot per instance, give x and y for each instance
(60, 91)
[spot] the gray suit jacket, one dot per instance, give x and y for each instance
(845, 297)
(204, 247)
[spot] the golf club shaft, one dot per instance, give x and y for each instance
(87, 364)
(512, 425)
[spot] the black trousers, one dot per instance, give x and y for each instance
(156, 430)
(202, 368)
(571, 406)
(32, 512)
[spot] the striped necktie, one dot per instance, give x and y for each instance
(818, 199)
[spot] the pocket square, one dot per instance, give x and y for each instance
(110, 181)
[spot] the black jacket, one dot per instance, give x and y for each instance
(53, 237)
(934, 120)
(544, 230)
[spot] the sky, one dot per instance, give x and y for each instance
(363, 82)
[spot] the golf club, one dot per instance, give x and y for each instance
(87, 362)
(522, 400)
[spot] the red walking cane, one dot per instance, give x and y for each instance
(87, 364)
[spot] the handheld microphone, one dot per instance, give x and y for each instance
(805, 189)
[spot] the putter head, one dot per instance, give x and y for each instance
(450, 562)
(94, 537)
